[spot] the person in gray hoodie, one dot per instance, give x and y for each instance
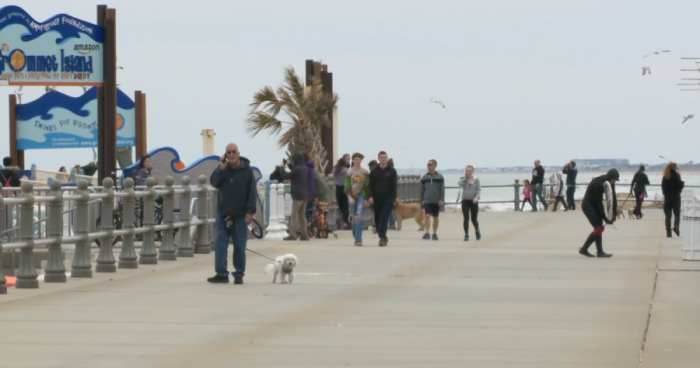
(471, 191)
(432, 198)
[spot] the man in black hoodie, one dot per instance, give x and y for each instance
(571, 172)
(382, 187)
(299, 177)
(537, 183)
(237, 198)
(599, 205)
(9, 175)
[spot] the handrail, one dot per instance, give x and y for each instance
(29, 204)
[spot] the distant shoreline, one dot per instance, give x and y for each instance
(523, 170)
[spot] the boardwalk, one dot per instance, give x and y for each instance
(520, 298)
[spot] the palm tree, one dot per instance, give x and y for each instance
(306, 110)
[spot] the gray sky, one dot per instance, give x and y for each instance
(546, 79)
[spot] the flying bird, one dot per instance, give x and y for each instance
(657, 52)
(687, 117)
(646, 70)
(438, 102)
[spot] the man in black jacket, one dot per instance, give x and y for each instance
(537, 183)
(299, 177)
(599, 205)
(639, 189)
(571, 172)
(9, 175)
(382, 187)
(237, 199)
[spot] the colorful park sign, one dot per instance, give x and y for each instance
(56, 120)
(62, 50)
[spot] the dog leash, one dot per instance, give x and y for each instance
(261, 255)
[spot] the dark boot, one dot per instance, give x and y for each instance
(668, 232)
(667, 222)
(677, 226)
(599, 247)
(584, 249)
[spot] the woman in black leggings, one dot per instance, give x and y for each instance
(471, 191)
(672, 186)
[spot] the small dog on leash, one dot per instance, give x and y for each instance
(284, 267)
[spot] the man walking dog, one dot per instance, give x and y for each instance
(237, 197)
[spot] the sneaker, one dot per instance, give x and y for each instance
(466, 237)
(290, 238)
(435, 237)
(426, 236)
(304, 238)
(383, 242)
(478, 235)
(584, 252)
(358, 243)
(604, 255)
(218, 279)
(238, 280)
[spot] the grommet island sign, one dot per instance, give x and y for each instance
(57, 120)
(62, 50)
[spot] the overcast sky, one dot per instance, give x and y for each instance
(545, 79)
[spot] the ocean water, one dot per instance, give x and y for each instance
(506, 194)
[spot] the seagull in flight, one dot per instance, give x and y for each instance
(657, 52)
(646, 70)
(687, 117)
(438, 102)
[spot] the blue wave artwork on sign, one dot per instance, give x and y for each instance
(57, 120)
(62, 50)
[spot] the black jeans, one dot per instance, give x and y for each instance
(343, 204)
(470, 207)
(570, 201)
(638, 201)
(672, 205)
(557, 200)
(382, 212)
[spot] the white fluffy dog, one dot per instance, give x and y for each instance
(284, 267)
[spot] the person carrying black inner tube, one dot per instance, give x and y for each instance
(600, 206)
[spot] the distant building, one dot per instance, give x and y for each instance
(599, 163)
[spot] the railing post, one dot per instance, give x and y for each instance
(128, 257)
(184, 242)
(105, 257)
(82, 263)
(26, 277)
(55, 267)
(277, 229)
(203, 244)
(167, 244)
(148, 246)
(3, 288)
(516, 195)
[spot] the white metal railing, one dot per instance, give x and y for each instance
(690, 226)
(22, 231)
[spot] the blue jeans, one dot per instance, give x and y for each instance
(239, 235)
(358, 221)
(538, 192)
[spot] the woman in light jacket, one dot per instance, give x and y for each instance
(471, 191)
